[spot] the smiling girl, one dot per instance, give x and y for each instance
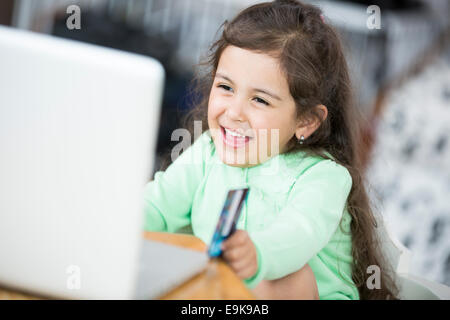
(277, 118)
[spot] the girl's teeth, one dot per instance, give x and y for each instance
(235, 134)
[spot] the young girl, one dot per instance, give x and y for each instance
(277, 118)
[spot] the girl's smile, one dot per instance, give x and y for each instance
(233, 138)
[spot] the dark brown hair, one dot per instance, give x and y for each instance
(311, 57)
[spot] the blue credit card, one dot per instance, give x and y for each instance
(227, 220)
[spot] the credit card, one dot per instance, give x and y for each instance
(227, 220)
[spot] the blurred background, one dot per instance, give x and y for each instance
(400, 71)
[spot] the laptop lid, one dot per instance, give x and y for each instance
(78, 126)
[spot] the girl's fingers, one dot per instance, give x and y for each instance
(244, 265)
(240, 264)
(235, 253)
(247, 271)
(238, 251)
(238, 238)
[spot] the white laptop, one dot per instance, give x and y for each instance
(78, 128)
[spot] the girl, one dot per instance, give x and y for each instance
(277, 118)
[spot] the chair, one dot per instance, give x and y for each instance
(411, 287)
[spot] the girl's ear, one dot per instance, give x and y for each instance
(307, 127)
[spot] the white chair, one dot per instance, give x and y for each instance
(411, 287)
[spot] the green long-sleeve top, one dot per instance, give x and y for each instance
(292, 213)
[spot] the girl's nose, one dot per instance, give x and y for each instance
(236, 112)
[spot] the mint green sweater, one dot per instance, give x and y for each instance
(292, 213)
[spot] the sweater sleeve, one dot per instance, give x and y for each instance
(305, 225)
(169, 196)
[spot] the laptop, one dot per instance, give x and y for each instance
(78, 129)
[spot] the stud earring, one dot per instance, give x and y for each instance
(301, 140)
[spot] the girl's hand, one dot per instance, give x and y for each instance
(240, 253)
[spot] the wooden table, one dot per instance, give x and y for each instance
(218, 281)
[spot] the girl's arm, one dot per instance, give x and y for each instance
(305, 226)
(300, 285)
(168, 198)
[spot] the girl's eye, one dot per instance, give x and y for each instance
(262, 101)
(225, 87)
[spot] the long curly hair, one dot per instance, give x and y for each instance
(311, 56)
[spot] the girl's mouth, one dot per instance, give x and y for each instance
(233, 139)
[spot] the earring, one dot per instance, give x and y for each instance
(301, 140)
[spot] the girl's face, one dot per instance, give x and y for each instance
(251, 113)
